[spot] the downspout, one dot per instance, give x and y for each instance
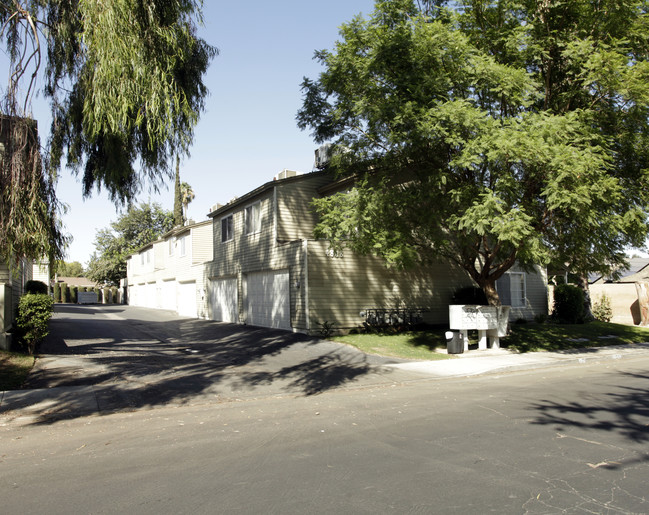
(305, 289)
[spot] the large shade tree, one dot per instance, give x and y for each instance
(139, 226)
(125, 83)
(487, 133)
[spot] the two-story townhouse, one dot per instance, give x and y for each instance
(268, 270)
(169, 273)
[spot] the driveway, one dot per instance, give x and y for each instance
(130, 357)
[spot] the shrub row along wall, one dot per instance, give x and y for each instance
(69, 294)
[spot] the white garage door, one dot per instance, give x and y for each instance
(150, 299)
(168, 295)
(224, 299)
(268, 299)
(187, 299)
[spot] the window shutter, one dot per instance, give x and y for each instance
(503, 286)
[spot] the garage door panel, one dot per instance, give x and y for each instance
(225, 300)
(169, 294)
(187, 299)
(268, 299)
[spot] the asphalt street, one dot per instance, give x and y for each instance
(569, 439)
(281, 423)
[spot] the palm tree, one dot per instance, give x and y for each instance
(186, 195)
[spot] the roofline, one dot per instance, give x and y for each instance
(261, 189)
(176, 230)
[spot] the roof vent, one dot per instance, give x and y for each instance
(285, 174)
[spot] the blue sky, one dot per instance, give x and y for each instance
(248, 133)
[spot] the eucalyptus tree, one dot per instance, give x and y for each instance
(487, 133)
(125, 83)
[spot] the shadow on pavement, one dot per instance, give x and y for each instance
(630, 407)
(136, 357)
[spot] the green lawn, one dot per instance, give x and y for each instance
(14, 369)
(411, 345)
(423, 345)
(558, 337)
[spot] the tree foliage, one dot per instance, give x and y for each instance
(187, 195)
(125, 83)
(487, 133)
(69, 269)
(137, 227)
(178, 199)
(34, 313)
(29, 209)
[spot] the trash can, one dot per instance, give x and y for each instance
(454, 342)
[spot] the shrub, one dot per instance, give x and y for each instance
(34, 313)
(99, 294)
(36, 287)
(74, 294)
(113, 291)
(469, 295)
(57, 292)
(65, 293)
(569, 304)
(106, 292)
(602, 310)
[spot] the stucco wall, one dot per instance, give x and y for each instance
(624, 301)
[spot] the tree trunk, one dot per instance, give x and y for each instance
(583, 284)
(489, 289)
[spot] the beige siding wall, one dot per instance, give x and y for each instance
(340, 287)
(296, 215)
(249, 253)
(202, 243)
(41, 272)
(147, 281)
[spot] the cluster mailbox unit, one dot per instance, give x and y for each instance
(489, 321)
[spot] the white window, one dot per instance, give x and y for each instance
(148, 255)
(171, 246)
(517, 289)
(253, 218)
(227, 228)
(182, 243)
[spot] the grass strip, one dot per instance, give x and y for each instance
(530, 337)
(14, 369)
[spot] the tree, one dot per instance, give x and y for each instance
(125, 83)
(29, 209)
(178, 199)
(137, 227)
(73, 269)
(487, 133)
(187, 195)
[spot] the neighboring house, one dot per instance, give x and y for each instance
(79, 282)
(12, 286)
(622, 291)
(41, 272)
(269, 271)
(170, 273)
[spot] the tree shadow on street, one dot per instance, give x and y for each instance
(625, 411)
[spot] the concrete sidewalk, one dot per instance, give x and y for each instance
(46, 404)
